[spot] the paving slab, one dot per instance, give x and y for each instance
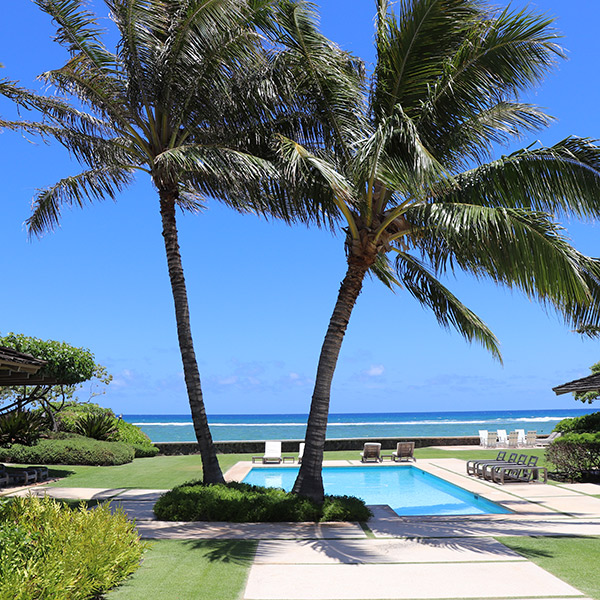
(477, 526)
(289, 552)
(251, 531)
(72, 493)
(140, 510)
(397, 581)
(148, 495)
(581, 506)
(583, 488)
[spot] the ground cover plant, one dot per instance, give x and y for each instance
(188, 570)
(103, 549)
(244, 503)
(572, 559)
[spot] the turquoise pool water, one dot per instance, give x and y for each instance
(406, 489)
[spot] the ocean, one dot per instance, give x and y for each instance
(178, 428)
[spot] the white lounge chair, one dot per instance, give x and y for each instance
(300, 452)
(521, 437)
(404, 451)
(483, 436)
(272, 453)
(502, 438)
(549, 439)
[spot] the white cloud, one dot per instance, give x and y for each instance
(228, 380)
(375, 370)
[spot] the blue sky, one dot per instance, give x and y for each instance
(261, 293)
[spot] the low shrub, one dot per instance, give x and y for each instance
(243, 503)
(98, 427)
(48, 550)
(584, 424)
(576, 456)
(71, 450)
(72, 412)
(21, 427)
(131, 434)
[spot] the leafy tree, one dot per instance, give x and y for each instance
(409, 176)
(66, 364)
(589, 397)
(185, 99)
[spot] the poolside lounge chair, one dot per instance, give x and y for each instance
(371, 452)
(524, 474)
(492, 439)
(272, 453)
(531, 438)
(483, 435)
(549, 439)
(521, 437)
(404, 451)
(502, 438)
(300, 452)
(513, 439)
(472, 464)
(486, 471)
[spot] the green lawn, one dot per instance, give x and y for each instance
(188, 570)
(165, 472)
(574, 560)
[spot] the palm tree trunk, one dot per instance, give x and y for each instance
(211, 471)
(309, 482)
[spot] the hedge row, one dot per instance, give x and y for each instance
(576, 456)
(244, 503)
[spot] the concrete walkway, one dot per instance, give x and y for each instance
(397, 557)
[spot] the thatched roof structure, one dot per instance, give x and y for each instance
(17, 368)
(591, 383)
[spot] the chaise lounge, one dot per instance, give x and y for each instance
(272, 454)
(371, 452)
(404, 451)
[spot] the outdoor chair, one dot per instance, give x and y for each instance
(513, 439)
(42, 473)
(272, 454)
(23, 476)
(472, 464)
(521, 437)
(300, 452)
(524, 474)
(486, 471)
(483, 437)
(531, 439)
(371, 452)
(549, 439)
(502, 438)
(492, 438)
(404, 451)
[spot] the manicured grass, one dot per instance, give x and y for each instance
(165, 472)
(574, 560)
(188, 570)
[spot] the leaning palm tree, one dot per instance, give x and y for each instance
(409, 177)
(184, 99)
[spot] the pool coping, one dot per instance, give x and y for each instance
(522, 500)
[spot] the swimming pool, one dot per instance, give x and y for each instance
(406, 489)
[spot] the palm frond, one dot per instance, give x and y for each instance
(95, 184)
(448, 310)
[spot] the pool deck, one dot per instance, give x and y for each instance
(449, 557)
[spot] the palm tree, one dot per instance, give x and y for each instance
(184, 100)
(409, 177)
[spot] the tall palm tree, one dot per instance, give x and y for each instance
(183, 99)
(409, 177)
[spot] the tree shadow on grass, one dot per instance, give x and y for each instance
(528, 552)
(59, 473)
(240, 552)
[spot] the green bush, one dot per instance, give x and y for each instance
(131, 434)
(98, 427)
(72, 450)
(576, 456)
(584, 424)
(243, 503)
(48, 550)
(21, 427)
(68, 417)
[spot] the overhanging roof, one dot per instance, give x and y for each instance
(591, 383)
(17, 368)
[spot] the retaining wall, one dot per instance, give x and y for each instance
(258, 446)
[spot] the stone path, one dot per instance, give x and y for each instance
(447, 558)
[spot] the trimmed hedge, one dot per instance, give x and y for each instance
(576, 456)
(131, 434)
(584, 424)
(244, 503)
(71, 450)
(48, 550)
